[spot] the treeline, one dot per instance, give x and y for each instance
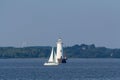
(90, 51)
(76, 51)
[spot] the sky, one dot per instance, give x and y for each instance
(42, 22)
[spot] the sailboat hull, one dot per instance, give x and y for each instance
(50, 64)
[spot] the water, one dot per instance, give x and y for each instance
(74, 69)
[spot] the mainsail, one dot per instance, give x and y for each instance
(55, 58)
(51, 59)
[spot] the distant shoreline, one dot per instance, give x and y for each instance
(76, 51)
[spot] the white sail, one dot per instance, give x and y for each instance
(51, 59)
(55, 58)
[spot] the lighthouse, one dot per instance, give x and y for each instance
(59, 49)
(60, 56)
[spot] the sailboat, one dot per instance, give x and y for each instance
(56, 58)
(52, 59)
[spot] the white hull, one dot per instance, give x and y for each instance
(50, 64)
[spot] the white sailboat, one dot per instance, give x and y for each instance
(56, 57)
(52, 59)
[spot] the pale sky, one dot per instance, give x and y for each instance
(42, 22)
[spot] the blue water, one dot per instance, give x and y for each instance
(74, 69)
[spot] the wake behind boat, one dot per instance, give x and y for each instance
(56, 58)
